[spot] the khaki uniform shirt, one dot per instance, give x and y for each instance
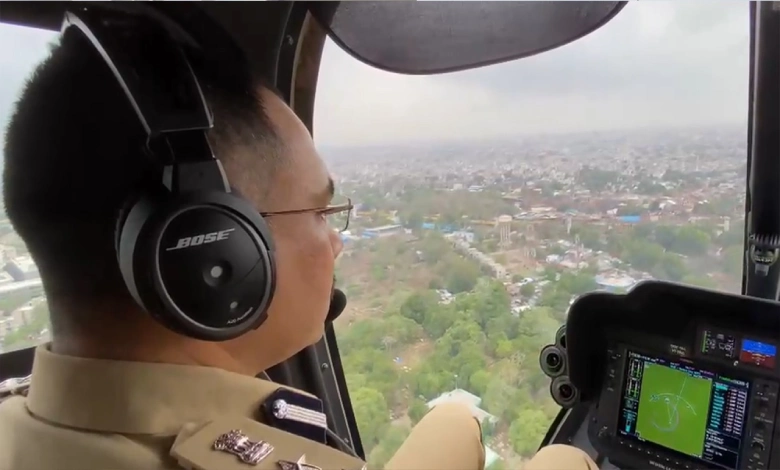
(82, 414)
(85, 414)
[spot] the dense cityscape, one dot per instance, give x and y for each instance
(461, 260)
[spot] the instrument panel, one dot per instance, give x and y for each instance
(702, 397)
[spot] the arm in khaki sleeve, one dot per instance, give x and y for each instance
(559, 457)
(448, 437)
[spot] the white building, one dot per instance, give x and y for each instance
(469, 399)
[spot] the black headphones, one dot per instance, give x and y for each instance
(195, 255)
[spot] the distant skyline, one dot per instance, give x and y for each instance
(657, 64)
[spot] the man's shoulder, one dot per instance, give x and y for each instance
(21, 433)
(229, 442)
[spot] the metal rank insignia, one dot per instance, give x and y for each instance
(281, 409)
(237, 443)
(299, 465)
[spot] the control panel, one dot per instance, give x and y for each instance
(706, 397)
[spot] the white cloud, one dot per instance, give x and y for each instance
(655, 64)
(359, 104)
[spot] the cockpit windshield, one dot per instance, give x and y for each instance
(487, 200)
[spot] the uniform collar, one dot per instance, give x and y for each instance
(137, 398)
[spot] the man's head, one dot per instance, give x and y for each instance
(73, 157)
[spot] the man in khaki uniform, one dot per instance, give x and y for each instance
(117, 390)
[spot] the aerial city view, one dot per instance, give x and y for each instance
(486, 201)
(460, 263)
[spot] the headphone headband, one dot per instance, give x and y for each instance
(198, 258)
(151, 69)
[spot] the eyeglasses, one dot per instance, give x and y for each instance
(336, 214)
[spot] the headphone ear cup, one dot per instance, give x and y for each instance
(122, 214)
(121, 218)
(201, 263)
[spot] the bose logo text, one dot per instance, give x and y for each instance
(201, 239)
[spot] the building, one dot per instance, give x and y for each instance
(491, 457)
(468, 237)
(32, 287)
(504, 224)
(383, 231)
(615, 283)
(347, 237)
(21, 268)
(630, 219)
(5, 279)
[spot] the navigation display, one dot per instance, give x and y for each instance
(758, 353)
(680, 408)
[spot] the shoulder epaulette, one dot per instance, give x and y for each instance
(238, 443)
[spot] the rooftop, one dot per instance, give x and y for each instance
(490, 457)
(382, 228)
(469, 399)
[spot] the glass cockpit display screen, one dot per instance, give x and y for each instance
(758, 353)
(683, 409)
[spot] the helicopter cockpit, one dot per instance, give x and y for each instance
(669, 371)
(680, 377)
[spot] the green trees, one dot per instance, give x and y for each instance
(424, 343)
(14, 300)
(474, 343)
(460, 274)
(671, 267)
(527, 290)
(685, 240)
(371, 413)
(422, 347)
(576, 284)
(412, 220)
(391, 441)
(732, 259)
(434, 247)
(662, 250)
(418, 305)
(377, 367)
(417, 409)
(526, 433)
(597, 180)
(35, 321)
(691, 241)
(643, 255)
(700, 281)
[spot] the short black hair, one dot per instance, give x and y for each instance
(73, 156)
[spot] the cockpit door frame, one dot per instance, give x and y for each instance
(319, 367)
(298, 41)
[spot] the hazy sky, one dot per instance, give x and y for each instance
(656, 64)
